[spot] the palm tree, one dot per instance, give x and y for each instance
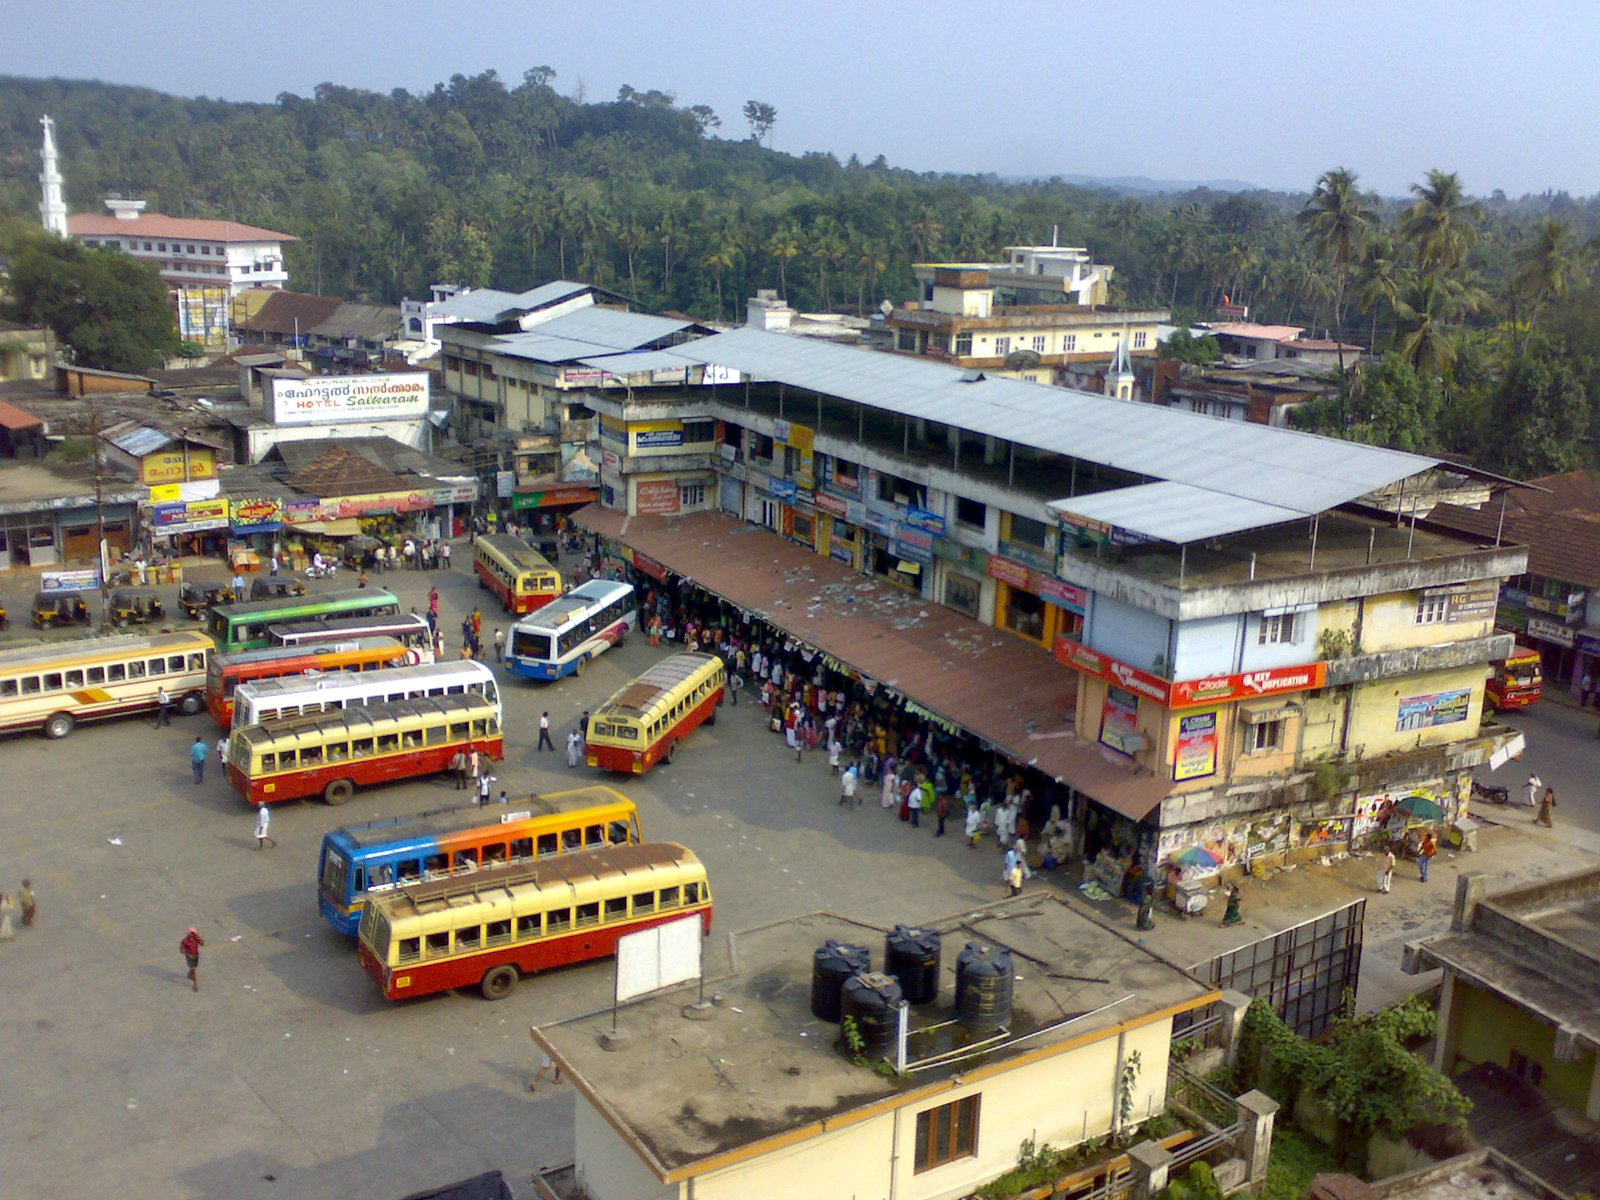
(719, 261)
(926, 233)
(1377, 280)
(1546, 267)
(1424, 310)
(783, 246)
(1442, 225)
(1336, 220)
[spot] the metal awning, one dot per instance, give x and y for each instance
(634, 364)
(1174, 512)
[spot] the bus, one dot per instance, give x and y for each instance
(53, 687)
(644, 722)
(296, 695)
(1517, 680)
(330, 754)
(399, 851)
(244, 626)
(490, 929)
(228, 671)
(514, 571)
(409, 629)
(563, 636)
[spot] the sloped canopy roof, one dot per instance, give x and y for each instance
(1174, 512)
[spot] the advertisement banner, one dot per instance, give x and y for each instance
(177, 466)
(1079, 657)
(648, 565)
(657, 435)
(1439, 708)
(1063, 595)
(349, 398)
(1012, 573)
(656, 497)
(880, 523)
(784, 489)
(461, 493)
(1119, 722)
(378, 504)
(1196, 755)
(610, 461)
(299, 512)
(928, 522)
(70, 581)
(578, 464)
(569, 494)
(1189, 693)
(914, 546)
(263, 515)
(1552, 631)
(800, 437)
(192, 517)
(832, 505)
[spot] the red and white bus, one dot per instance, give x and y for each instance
(228, 671)
(643, 723)
(332, 753)
(489, 929)
(514, 571)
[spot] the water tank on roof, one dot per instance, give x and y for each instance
(983, 987)
(832, 964)
(872, 1001)
(912, 957)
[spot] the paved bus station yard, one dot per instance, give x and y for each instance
(288, 1075)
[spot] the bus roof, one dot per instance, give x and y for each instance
(246, 608)
(341, 624)
(515, 551)
(562, 609)
(561, 871)
(90, 648)
(240, 658)
(637, 697)
(438, 821)
(363, 718)
(382, 677)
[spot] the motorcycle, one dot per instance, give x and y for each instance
(327, 570)
(1485, 791)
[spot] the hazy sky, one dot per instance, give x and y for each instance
(1274, 93)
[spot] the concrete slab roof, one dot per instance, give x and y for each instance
(687, 1092)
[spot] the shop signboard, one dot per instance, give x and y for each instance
(1465, 604)
(255, 515)
(609, 461)
(190, 517)
(855, 512)
(833, 505)
(649, 566)
(800, 437)
(1215, 689)
(780, 431)
(70, 581)
(1032, 557)
(1552, 631)
(713, 373)
(878, 522)
(613, 430)
(1555, 608)
(1437, 708)
(505, 482)
(927, 522)
(460, 493)
(670, 375)
(166, 493)
(914, 546)
(784, 489)
(328, 398)
(656, 435)
(656, 497)
(1119, 722)
(1510, 616)
(299, 512)
(1063, 595)
(178, 466)
(1197, 746)
(578, 376)
(1079, 657)
(1588, 644)
(375, 504)
(1014, 574)
(568, 494)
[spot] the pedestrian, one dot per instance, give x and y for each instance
(545, 1064)
(1425, 853)
(190, 948)
(458, 768)
(503, 799)
(438, 645)
(477, 622)
(1386, 871)
(1231, 915)
(28, 901)
(973, 825)
(474, 764)
(544, 732)
(238, 586)
(1588, 688)
(574, 748)
(263, 824)
(222, 753)
(1534, 784)
(1545, 807)
(1012, 874)
(583, 725)
(485, 782)
(847, 787)
(1022, 857)
(7, 907)
(433, 600)
(735, 686)
(913, 802)
(890, 795)
(444, 556)
(362, 580)
(163, 707)
(272, 569)
(499, 645)
(835, 749)
(941, 809)
(197, 759)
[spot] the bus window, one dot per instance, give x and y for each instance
(74, 679)
(466, 860)
(480, 728)
(52, 681)
(383, 876)
(436, 864)
(470, 938)
(8, 687)
(594, 835)
(361, 747)
(97, 675)
(669, 897)
(409, 871)
(498, 932)
(458, 732)
(571, 839)
(644, 902)
(494, 854)
(523, 847)
(358, 881)
(338, 752)
(136, 670)
(438, 944)
(410, 950)
(388, 743)
(30, 685)
(691, 893)
(197, 662)
(311, 756)
(618, 833)
(588, 914)
(616, 908)
(558, 920)
(175, 664)
(269, 762)
(528, 926)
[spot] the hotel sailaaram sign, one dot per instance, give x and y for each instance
(328, 398)
(1190, 693)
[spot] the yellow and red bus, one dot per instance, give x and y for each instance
(643, 723)
(490, 929)
(1517, 681)
(332, 753)
(382, 855)
(228, 671)
(514, 571)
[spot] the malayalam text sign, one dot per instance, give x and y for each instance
(328, 398)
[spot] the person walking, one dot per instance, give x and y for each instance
(1588, 687)
(499, 645)
(1386, 871)
(190, 949)
(941, 809)
(1022, 857)
(974, 823)
(1534, 784)
(891, 785)
(545, 1065)
(163, 707)
(458, 768)
(574, 748)
(29, 903)
(1425, 853)
(474, 765)
(444, 556)
(477, 622)
(197, 759)
(485, 782)
(222, 753)
(1546, 806)
(7, 907)
(263, 824)
(847, 786)
(1011, 874)
(544, 732)
(835, 749)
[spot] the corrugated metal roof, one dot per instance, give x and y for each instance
(586, 334)
(1298, 471)
(638, 361)
(485, 306)
(138, 441)
(1175, 512)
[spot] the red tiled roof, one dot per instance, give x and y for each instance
(290, 313)
(1560, 527)
(161, 225)
(12, 417)
(1013, 695)
(338, 472)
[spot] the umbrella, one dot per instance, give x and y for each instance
(1420, 808)
(1195, 856)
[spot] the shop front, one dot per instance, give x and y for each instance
(323, 526)
(46, 537)
(254, 523)
(197, 528)
(1033, 604)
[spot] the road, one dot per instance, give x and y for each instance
(1565, 753)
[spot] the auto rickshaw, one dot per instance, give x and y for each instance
(276, 587)
(359, 552)
(54, 608)
(136, 606)
(195, 598)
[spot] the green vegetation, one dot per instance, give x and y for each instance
(1038, 1164)
(1296, 1159)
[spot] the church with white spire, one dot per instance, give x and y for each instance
(52, 205)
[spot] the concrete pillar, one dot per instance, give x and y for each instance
(1148, 1165)
(1470, 886)
(1444, 1044)
(1256, 1112)
(1592, 1108)
(1231, 1009)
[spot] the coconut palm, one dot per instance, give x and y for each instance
(1377, 280)
(783, 246)
(1336, 220)
(1547, 266)
(1442, 225)
(1424, 310)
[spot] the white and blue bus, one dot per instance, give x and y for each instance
(560, 638)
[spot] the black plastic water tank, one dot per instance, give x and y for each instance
(833, 963)
(912, 957)
(983, 987)
(873, 1002)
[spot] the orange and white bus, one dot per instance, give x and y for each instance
(228, 671)
(643, 723)
(490, 929)
(1517, 681)
(332, 753)
(514, 571)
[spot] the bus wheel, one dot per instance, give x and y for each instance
(498, 983)
(338, 791)
(711, 717)
(191, 704)
(59, 725)
(581, 666)
(672, 752)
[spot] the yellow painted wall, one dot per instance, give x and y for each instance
(1375, 711)
(1053, 1100)
(1390, 623)
(607, 1166)
(1487, 1029)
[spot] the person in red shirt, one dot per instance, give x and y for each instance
(190, 946)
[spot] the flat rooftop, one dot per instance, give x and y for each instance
(33, 483)
(758, 1063)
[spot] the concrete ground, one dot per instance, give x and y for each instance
(287, 1074)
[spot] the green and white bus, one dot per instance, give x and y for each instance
(235, 627)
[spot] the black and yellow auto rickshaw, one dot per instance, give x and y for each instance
(54, 608)
(276, 587)
(195, 598)
(135, 606)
